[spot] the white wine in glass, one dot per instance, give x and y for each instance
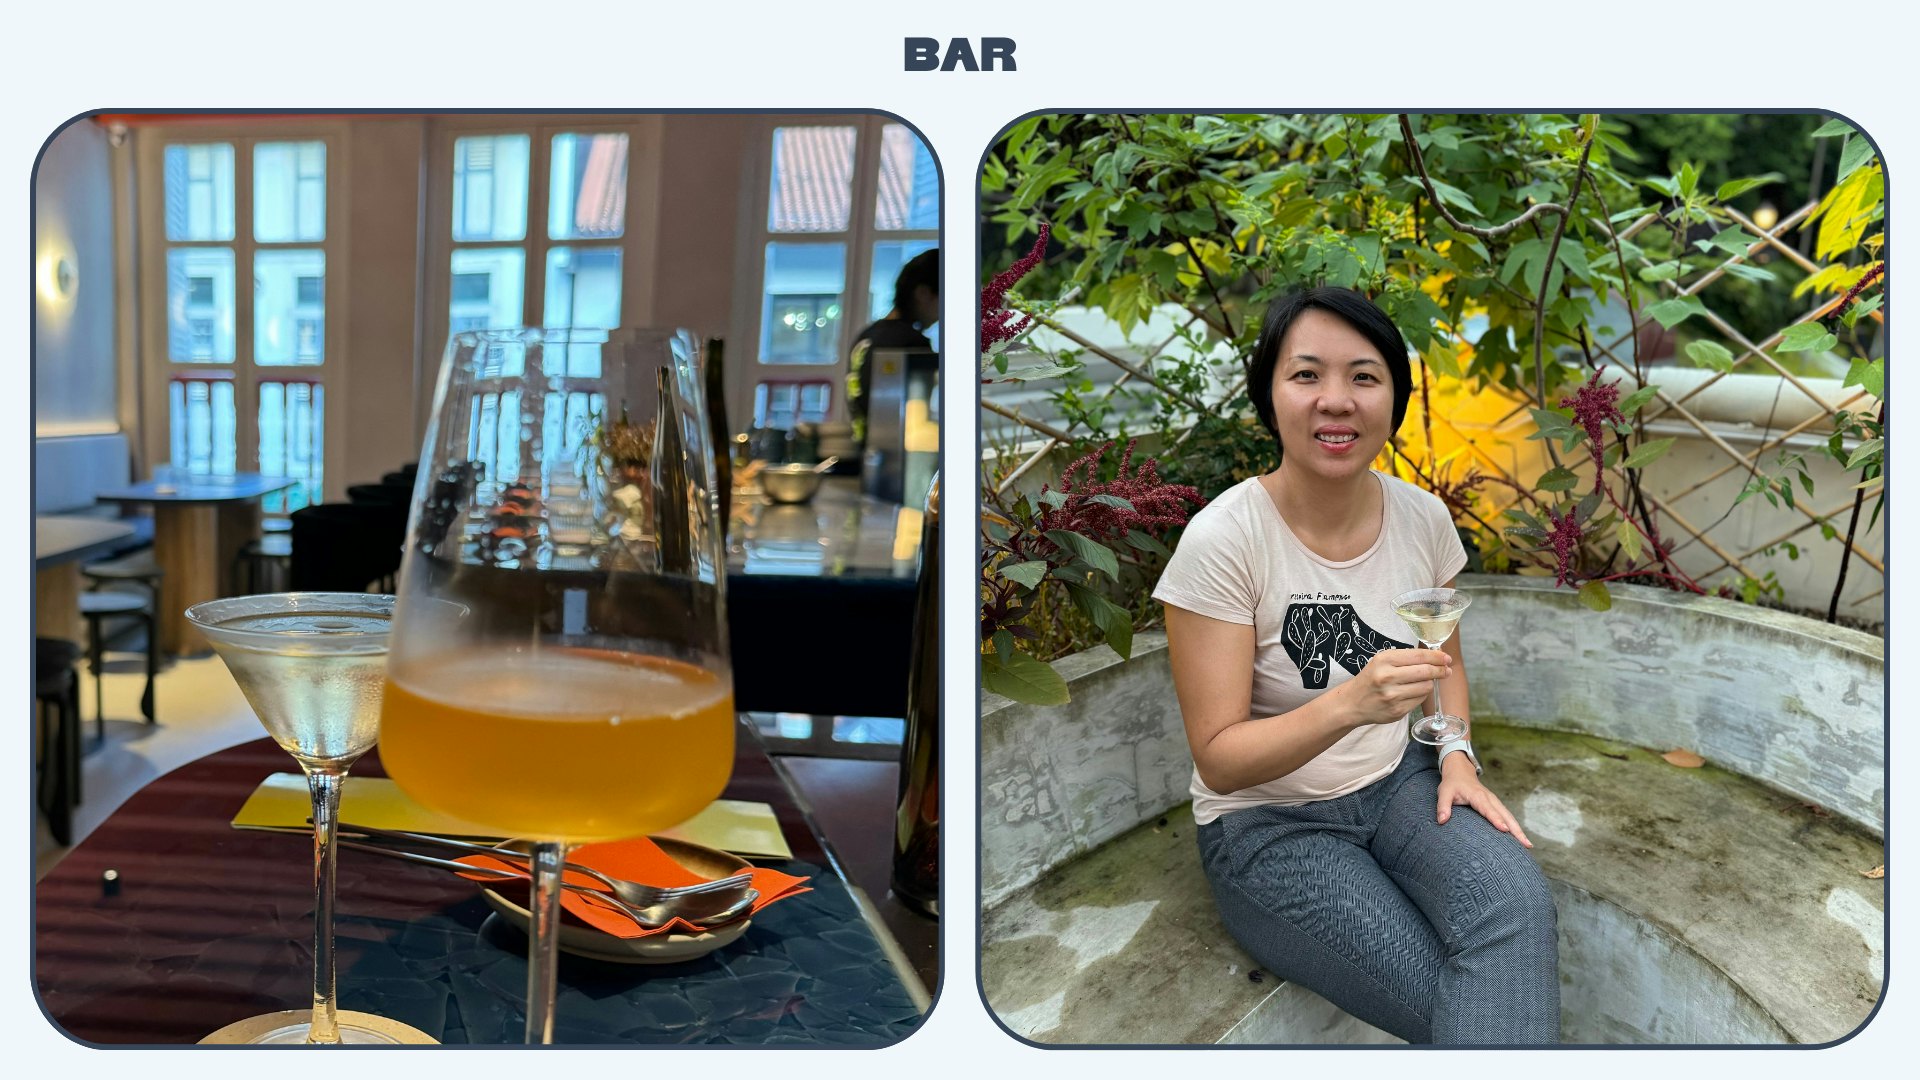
(311, 665)
(1432, 615)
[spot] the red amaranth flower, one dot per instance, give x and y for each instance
(1594, 407)
(997, 322)
(1564, 536)
(1155, 505)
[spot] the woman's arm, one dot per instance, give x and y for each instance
(1213, 675)
(1459, 782)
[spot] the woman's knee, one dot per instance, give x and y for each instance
(1504, 898)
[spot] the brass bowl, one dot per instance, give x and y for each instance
(789, 484)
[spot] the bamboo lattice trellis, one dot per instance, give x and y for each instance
(1663, 405)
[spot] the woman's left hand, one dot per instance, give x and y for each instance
(1459, 786)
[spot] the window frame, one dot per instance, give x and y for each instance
(157, 367)
(637, 242)
(748, 371)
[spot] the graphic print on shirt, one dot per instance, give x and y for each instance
(1318, 634)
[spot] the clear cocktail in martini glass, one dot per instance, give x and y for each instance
(1432, 615)
(312, 666)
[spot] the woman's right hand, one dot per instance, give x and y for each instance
(1393, 683)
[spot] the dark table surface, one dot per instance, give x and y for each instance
(199, 489)
(212, 924)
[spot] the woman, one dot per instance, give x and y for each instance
(1331, 841)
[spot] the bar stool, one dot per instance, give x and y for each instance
(266, 560)
(140, 567)
(57, 691)
(96, 608)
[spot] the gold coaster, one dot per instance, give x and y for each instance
(289, 1028)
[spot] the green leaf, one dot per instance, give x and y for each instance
(1029, 573)
(1003, 642)
(1115, 621)
(1055, 499)
(1550, 421)
(1689, 179)
(1023, 679)
(1629, 538)
(1808, 336)
(1858, 152)
(1746, 272)
(1867, 450)
(1868, 375)
(1594, 594)
(1114, 501)
(1146, 542)
(1710, 354)
(1440, 356)
(1659, 272)
(1634, 402)
(1664, 185)
(1647, 453)
(1091, 552)
(1557, 479)
(1455, 198)
(1735, 188)
(1673, 312)
(1833, 127)
(1733, 240)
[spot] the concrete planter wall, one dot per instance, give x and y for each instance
(1793, 703)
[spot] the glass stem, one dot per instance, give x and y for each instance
(542, 961)
(325, 787)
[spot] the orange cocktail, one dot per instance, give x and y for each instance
(558, 743)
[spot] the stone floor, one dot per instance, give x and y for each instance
(1756, 900)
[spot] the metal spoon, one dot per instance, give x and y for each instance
(715, 896)
(703, 909)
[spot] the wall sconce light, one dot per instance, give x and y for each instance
(58, 278)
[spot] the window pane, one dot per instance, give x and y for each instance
(289, 306)
(291, 439)
(199, 185)
(888, 257)
(487, 288)
(583, 288)
(908, 196)
(200, 305)
(200, 425)
(812, 189)
(290, 192)
(588, 197)
(490, 187)
(801, 304)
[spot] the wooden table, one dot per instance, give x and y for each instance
(209, 924)
(60, 545)
(199, 526)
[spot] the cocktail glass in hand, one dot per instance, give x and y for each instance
(311, 665)
(579, 694)
(1432, 614)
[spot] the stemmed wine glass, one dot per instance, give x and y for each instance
(311, 666)
(1432, 615)
(583, 691)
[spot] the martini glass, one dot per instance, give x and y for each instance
(1432, 615)
(311, 665)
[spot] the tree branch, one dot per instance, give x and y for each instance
(1494, 233)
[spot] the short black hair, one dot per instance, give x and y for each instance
(1352, 308)
(922, 269)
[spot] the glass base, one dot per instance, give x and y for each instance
(1439, 728)
(289, 1028)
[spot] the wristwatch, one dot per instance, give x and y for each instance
(1461, 745)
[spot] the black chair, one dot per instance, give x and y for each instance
(97, 608)
(56, 688)
(264, 565)
(874, 615)
(345, 547)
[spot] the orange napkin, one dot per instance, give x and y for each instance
(637, 859)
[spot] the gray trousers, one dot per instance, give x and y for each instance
(1435, 933)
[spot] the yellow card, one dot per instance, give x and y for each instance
(282, 802)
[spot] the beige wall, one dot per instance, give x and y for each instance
(385, 162)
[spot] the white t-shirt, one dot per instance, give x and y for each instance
(1316, 622)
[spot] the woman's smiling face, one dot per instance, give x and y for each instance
(1332, 397)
